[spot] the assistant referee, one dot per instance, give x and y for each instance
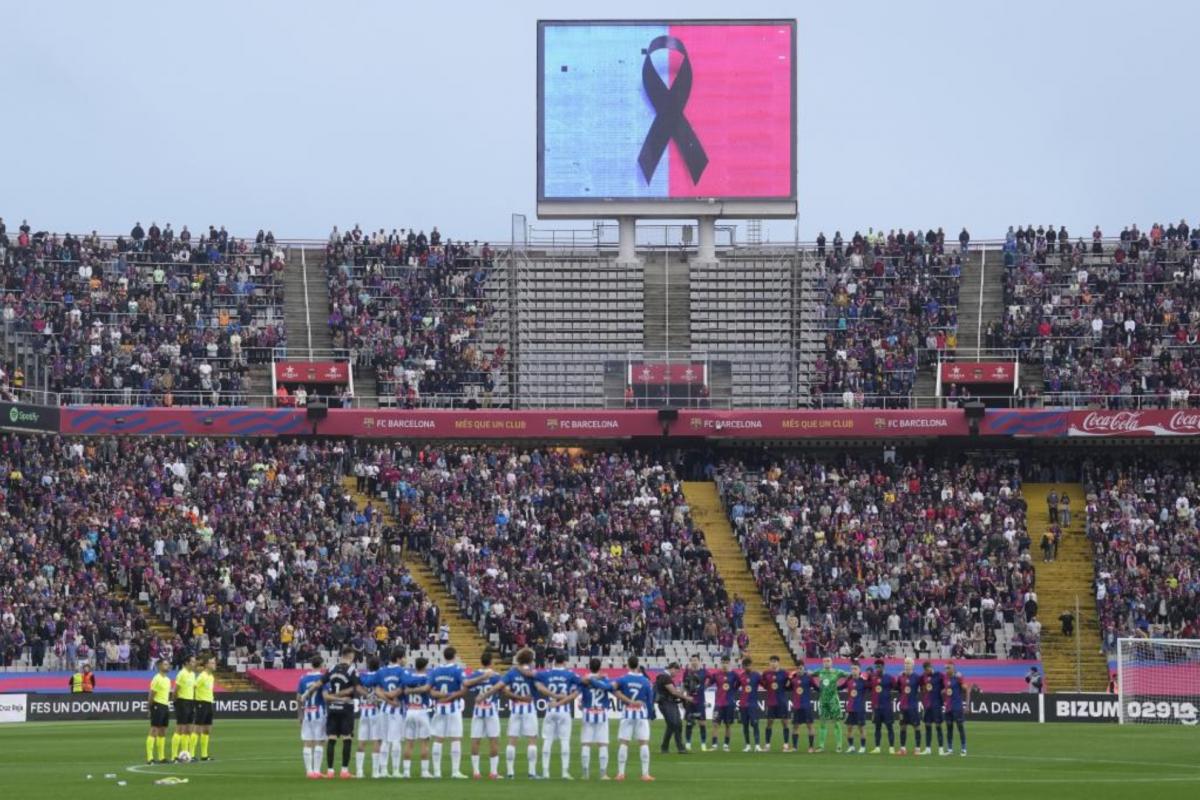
(204, 703)
(160, 713)
(185, 707)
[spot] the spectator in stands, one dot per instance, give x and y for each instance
(1141, 519)
(414, 308)
(871, 552)
(887, 297)
(1115, 327)
(145, 319)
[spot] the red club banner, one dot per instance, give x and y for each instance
(648, 374)
(326, 372)
(998, 372)
(565, 425)
(497, 424)
(821, 424)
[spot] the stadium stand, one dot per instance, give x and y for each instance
(592, 552)
(910, 558)
(888, 299)
(225, 540)
(152, 318)
(1141, 518)
(1115, 323)
(415, 309)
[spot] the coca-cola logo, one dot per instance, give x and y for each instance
(1112, 422)
(1185, 421)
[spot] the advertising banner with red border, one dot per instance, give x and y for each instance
(1049, 423)
(997, 372)
(323, 372)
(820, 424)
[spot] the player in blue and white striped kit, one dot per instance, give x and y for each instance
(521, 686)
(312, 718)
(595, 703)
(637, 694)
(485, 718)
(450, 685)
(371, 724)
(448, 680)
(560, 713)
(389, 688)
(419, 703)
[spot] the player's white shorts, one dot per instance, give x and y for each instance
(448, 726)
(416, 725)
(638, 729)
(485, 727)
(371, 729)
(522, 725)
(394, 728)
(556, 726)
(594, 733)
(313, 730)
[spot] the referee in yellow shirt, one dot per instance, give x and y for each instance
(204, 706)
(185, 709)
(160, 713)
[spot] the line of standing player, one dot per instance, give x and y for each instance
(405, 712)
(800, 698)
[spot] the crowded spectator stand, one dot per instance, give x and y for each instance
(888, 299)
(413, 307)
(152, 318)
(863, 556)
(1113, 323)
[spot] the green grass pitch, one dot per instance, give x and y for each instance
(262, 760)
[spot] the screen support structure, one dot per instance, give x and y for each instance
(627, 242)
(706, 240)
(706, 250)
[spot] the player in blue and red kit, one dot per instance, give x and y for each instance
(958, 698)
(932, 684)
(856, 709)
(774, 683)
(802, 685)
(727, 682)
(694, 682)
(880, 687)
(907, 686)
(748, 704)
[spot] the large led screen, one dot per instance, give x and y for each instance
(666, 110)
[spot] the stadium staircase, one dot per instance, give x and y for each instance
(228, 679)
(307, 328)
(464, 636)
(709, 516)
(1059, 583)
(667, 303)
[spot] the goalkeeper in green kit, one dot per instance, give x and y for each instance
(829, 708)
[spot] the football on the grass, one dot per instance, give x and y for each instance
(185, 756)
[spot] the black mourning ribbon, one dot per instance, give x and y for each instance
(669, 121)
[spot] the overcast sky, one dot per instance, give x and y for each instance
(298, 115)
